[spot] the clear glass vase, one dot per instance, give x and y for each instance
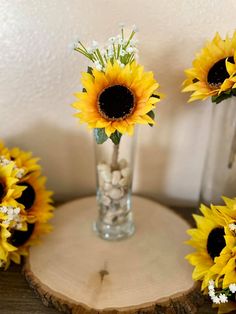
(114, 170)
(219, 175)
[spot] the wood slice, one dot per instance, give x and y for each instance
(78, 272)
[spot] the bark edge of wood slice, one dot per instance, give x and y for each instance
(77, 272)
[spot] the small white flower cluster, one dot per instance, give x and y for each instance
(14, 218)
(232, 287)
(20, 171)
(117, 48)
(220, 297)
(216, 298)
(232, 227)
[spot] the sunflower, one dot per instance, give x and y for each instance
(5, 247)
(117, 98)
(228, 211)
(37, 204)
(9, 190)
(224, 266)
(225, 263)
(24, 162)
(213, 69)
(208, 240)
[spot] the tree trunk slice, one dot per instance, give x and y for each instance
(78, 272)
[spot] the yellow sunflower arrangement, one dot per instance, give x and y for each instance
(214, 71)
(117, 92)
(25, 204)
(214, 240)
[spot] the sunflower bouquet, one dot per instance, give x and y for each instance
(214, 259)
(25, 204)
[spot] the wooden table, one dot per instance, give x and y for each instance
(17, 297)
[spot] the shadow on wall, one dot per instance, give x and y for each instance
(66, 158)
(175, 161)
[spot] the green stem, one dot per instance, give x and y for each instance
(100, 57)
(130, 37)
(84, 53)
(115, 154)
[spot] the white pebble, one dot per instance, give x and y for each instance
(106, 175)
(120, 212)
(123, 163)
(106, 200)
(124, 182)
(116, 194)
(107, 186)
(123, 203)
(103, 167)
(109, 218)
(116, 175)
(125, 172)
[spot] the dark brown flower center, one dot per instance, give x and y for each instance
(218, 73)
(116, 102)
(27, 197)
(2, 191)
(215, 242)
(19, 238)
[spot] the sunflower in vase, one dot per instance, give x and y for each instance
(117, 95)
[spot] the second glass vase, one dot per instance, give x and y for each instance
(219, 176)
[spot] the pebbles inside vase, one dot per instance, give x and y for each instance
(114, 188)
(114, 167)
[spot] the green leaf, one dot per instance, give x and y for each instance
(115, 137)
(218, 98)
(151, 114)
(90, 70)
(100, 135)
(234, 91)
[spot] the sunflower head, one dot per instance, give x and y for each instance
(213, 72)
(37, 204)
(117, 99)
(208, 239)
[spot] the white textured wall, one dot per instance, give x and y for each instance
(39, 73)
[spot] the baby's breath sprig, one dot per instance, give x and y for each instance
(221, 295)
(117, 48)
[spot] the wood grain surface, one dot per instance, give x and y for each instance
(17, 297)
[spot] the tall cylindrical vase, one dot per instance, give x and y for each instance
(114, 169)
(219, 175)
